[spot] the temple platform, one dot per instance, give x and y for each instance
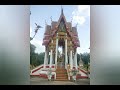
(42, 73)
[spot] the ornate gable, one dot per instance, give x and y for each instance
(61, 26)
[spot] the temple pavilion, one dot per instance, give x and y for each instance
(61, 34)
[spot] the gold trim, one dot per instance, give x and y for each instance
(61, 33)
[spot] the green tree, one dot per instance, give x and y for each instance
(41, 58)
(35, 58)
(32, 53)
(78, 58)
(86, 59)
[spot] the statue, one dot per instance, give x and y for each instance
(49, 74)
(74, 74)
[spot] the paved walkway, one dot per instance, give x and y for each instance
(41, 81)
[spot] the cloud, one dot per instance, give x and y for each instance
(78, 19)
(38, 44)
(79, 15)
(84, 9)
(83, 50)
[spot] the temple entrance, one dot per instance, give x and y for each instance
(61, 55)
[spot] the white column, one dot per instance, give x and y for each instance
(56, 51)
(76, 59)
(71, 60)
(50, 59)
(45, 58)
(66, 58)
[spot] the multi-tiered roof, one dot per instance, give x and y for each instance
(50, 31)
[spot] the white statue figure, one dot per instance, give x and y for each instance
(74, 74)
(49, 74)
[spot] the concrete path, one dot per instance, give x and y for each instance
(41, 81)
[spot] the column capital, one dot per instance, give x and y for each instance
(66, 37)
(71, 48)
(57, 37)
(51, 47)
(66, 34)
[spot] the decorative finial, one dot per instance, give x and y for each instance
(61, 10)
(51, 18)
(45, 22)
(71, 19)
(76, 25)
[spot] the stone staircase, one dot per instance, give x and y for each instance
(61, 74)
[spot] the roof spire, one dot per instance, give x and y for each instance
(45, 22)
(76, 25)
(51, 18)
(71, 19)
(61, 10)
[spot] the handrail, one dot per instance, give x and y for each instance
(40, 66)
(68, 72)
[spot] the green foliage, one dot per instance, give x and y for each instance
(86, 67)
(78, 58)
(85, 58)
(35, 58)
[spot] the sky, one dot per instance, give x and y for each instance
(80, 14)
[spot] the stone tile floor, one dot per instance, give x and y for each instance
(42, 81)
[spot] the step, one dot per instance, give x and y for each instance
(61, 80)
(61, 70)
(61, 75)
